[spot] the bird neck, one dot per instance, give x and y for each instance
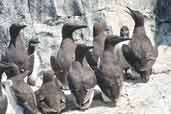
(17, 40)
(67, 36)
(12, 42)
(80, 59)
(66, 39)
(139, 29)
(14, 36)
(140, 24)
(108, 47)
(31, 50)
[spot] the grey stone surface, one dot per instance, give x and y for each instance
(44, 19)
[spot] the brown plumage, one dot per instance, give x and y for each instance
(25, 96)
(140, 48)
(100, 31)
(17, 52)
(109, 74)
(49, 97)
(81, 78)
(66, 54)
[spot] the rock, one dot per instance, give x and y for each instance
(44, 19)
(163, 62)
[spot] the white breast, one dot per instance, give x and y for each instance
(118, 52)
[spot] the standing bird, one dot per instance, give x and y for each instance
(124, 32)
(66, 54)
(81, 78)
(100, 31)
(109, 74)
(17, 52)
(50, 98)
(25, 96)
(11, 55)
(140, 53)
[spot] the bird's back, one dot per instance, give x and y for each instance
(143, 49)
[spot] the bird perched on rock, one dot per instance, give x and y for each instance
(17, 52)
(109, 74)
(140, 53)
(81, 78)
(49, 97)
(66, 54)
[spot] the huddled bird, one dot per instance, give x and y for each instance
(23, 94)
(81, 78)
(50, 97)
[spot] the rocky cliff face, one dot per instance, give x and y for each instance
(44, 20)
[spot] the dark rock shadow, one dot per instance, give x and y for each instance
(163, 22)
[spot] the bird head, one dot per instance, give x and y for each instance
(68, 29)
(14, 31)
(124, 32)
(137, 16)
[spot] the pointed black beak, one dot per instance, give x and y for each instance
(131, 12)
(75, 27)
(68, 29)
(35, 41)
(118, 40)
(22, 26)
(90, 47)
